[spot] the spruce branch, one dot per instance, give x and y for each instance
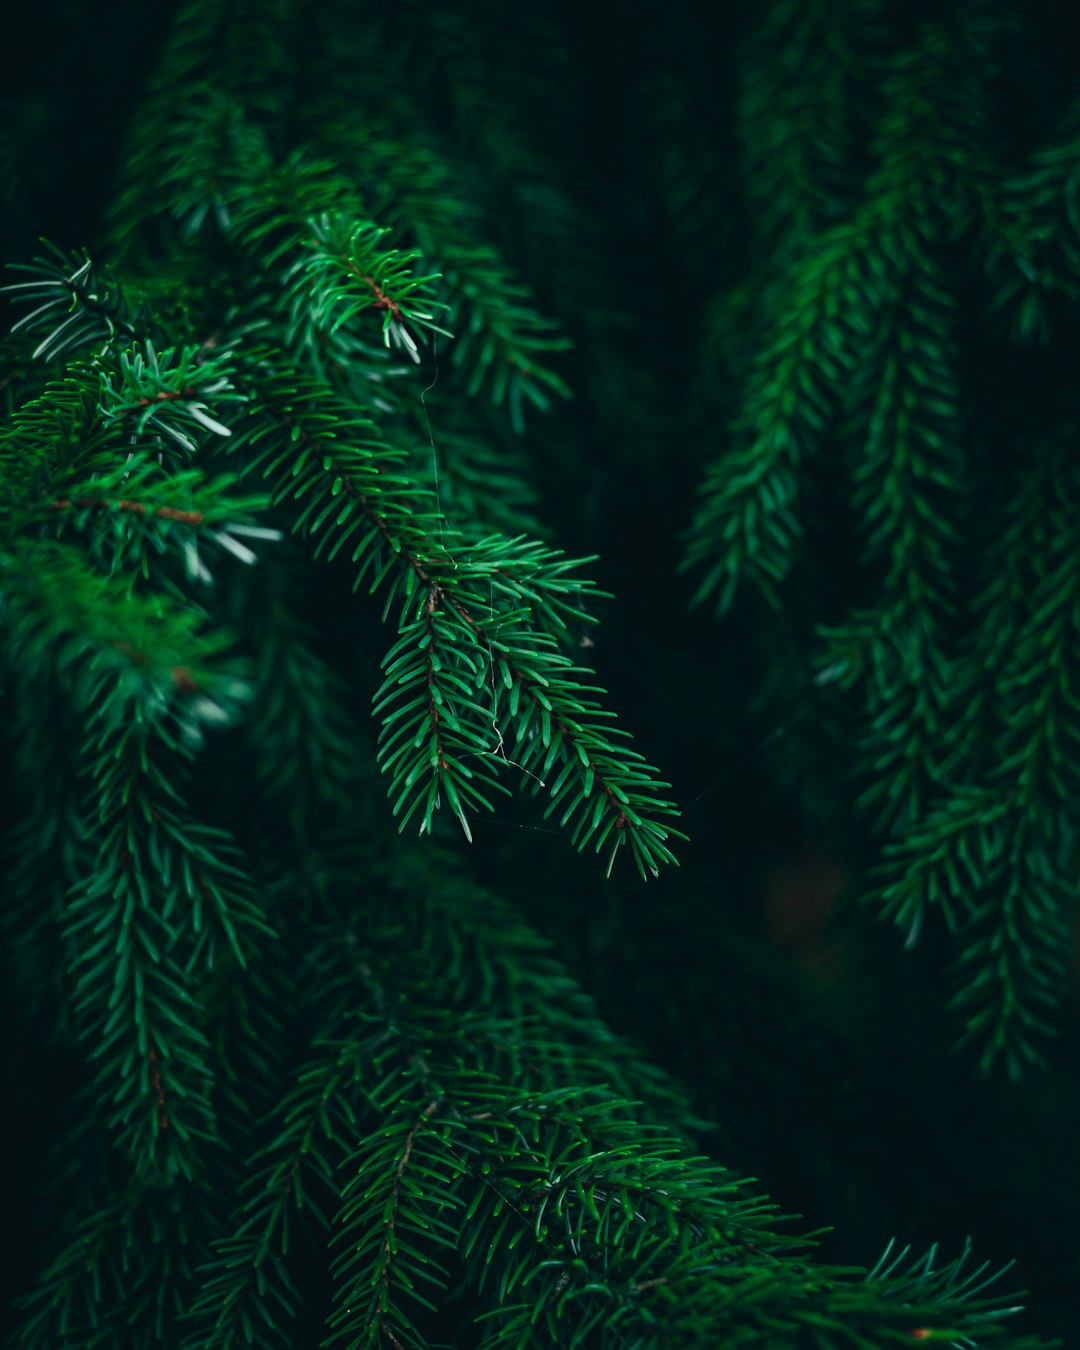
(328, 284)
(222, 80)
(1009, 1001)
(57, 434)
(345, 271)
(801, 75)
(244, 1292)
(448, 655)
(1027, 237)
(147, 391)
(1010, 974)
(908, 477)
(171, 891)
(995, 851)
(502, 340)
(130, 516)
(117, 1279)
(828, 300)
(490, 957)
(553, 1184)
(478, 1129)
(167, 392)
(331, 1075)
(135, 667)
(747, 526)
(79, 305)
(943, 859)
(246, 1285)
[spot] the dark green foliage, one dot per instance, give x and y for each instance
(295, 436)
(864, 357)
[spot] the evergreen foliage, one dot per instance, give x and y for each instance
(304, 429)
